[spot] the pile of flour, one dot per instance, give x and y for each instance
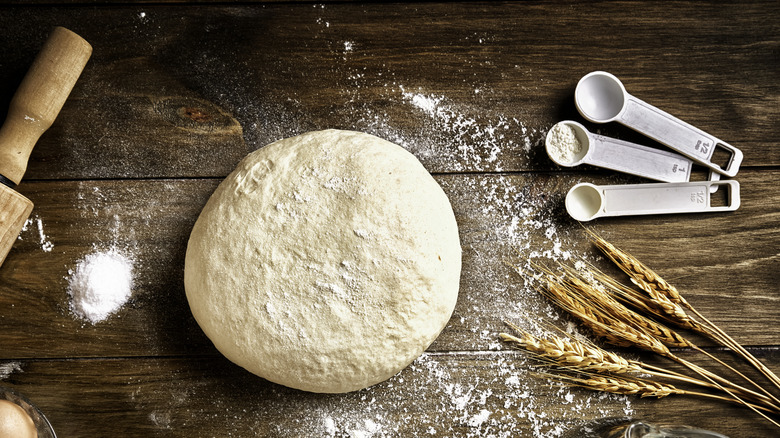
(100, 284)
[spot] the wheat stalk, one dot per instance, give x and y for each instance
(575, 355)
(648, 335)
(607, 319)
(592, 300)
(622, 327)
(660, 291)
(584, 356)
(618, 311)
(570, 353)
(670, 312)
(659, 305)
(642, 387)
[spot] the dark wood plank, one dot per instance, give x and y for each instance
(176, 94)
(440, 395)
(465, 88)
(727, 268)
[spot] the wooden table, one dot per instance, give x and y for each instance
(175, 95)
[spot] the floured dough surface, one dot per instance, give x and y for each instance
(325, 262)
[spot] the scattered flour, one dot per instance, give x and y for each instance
(100, 284)
(46, 244)
(517, 222)
(478, 142)
(8, 368)
(466, 397)
(161, 419)
(479, 419)
(37, 222)
(330, 426)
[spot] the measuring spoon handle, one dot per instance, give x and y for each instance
(678, 135)
(586, 201)
(635, 159)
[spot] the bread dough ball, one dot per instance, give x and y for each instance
(325, 262)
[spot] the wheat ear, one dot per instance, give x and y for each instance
(643, 388)
(659, 289)
(611, 307)
(621, 385)
(583, 356)
(670, 312)
(621, 334)
(570, 353)
(658, 305)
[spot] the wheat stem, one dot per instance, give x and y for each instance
(667, 374)
(618, 385)
(660, 290)
(731, 400)
(570, 353)
(726, 340)
(714, 378)
(744, 377)
(647, 388)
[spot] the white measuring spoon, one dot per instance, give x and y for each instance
(623, 156)
(601, 97)
(586, 201)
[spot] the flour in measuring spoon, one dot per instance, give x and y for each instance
(563, 144)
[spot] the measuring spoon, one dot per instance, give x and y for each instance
(601, 97)
(623, 156)
(586, 201)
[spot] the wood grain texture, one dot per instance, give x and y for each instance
(280, 70)
(14, 210)
(447, 394)
(176, 94)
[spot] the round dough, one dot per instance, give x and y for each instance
(325, 262)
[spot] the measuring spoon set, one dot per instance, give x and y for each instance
(600, 97)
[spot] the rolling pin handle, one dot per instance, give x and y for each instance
(40, 98)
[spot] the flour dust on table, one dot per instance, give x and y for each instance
(8, 368)
(440, 385)
(33, 228)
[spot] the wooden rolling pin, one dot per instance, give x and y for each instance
(34, 107)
